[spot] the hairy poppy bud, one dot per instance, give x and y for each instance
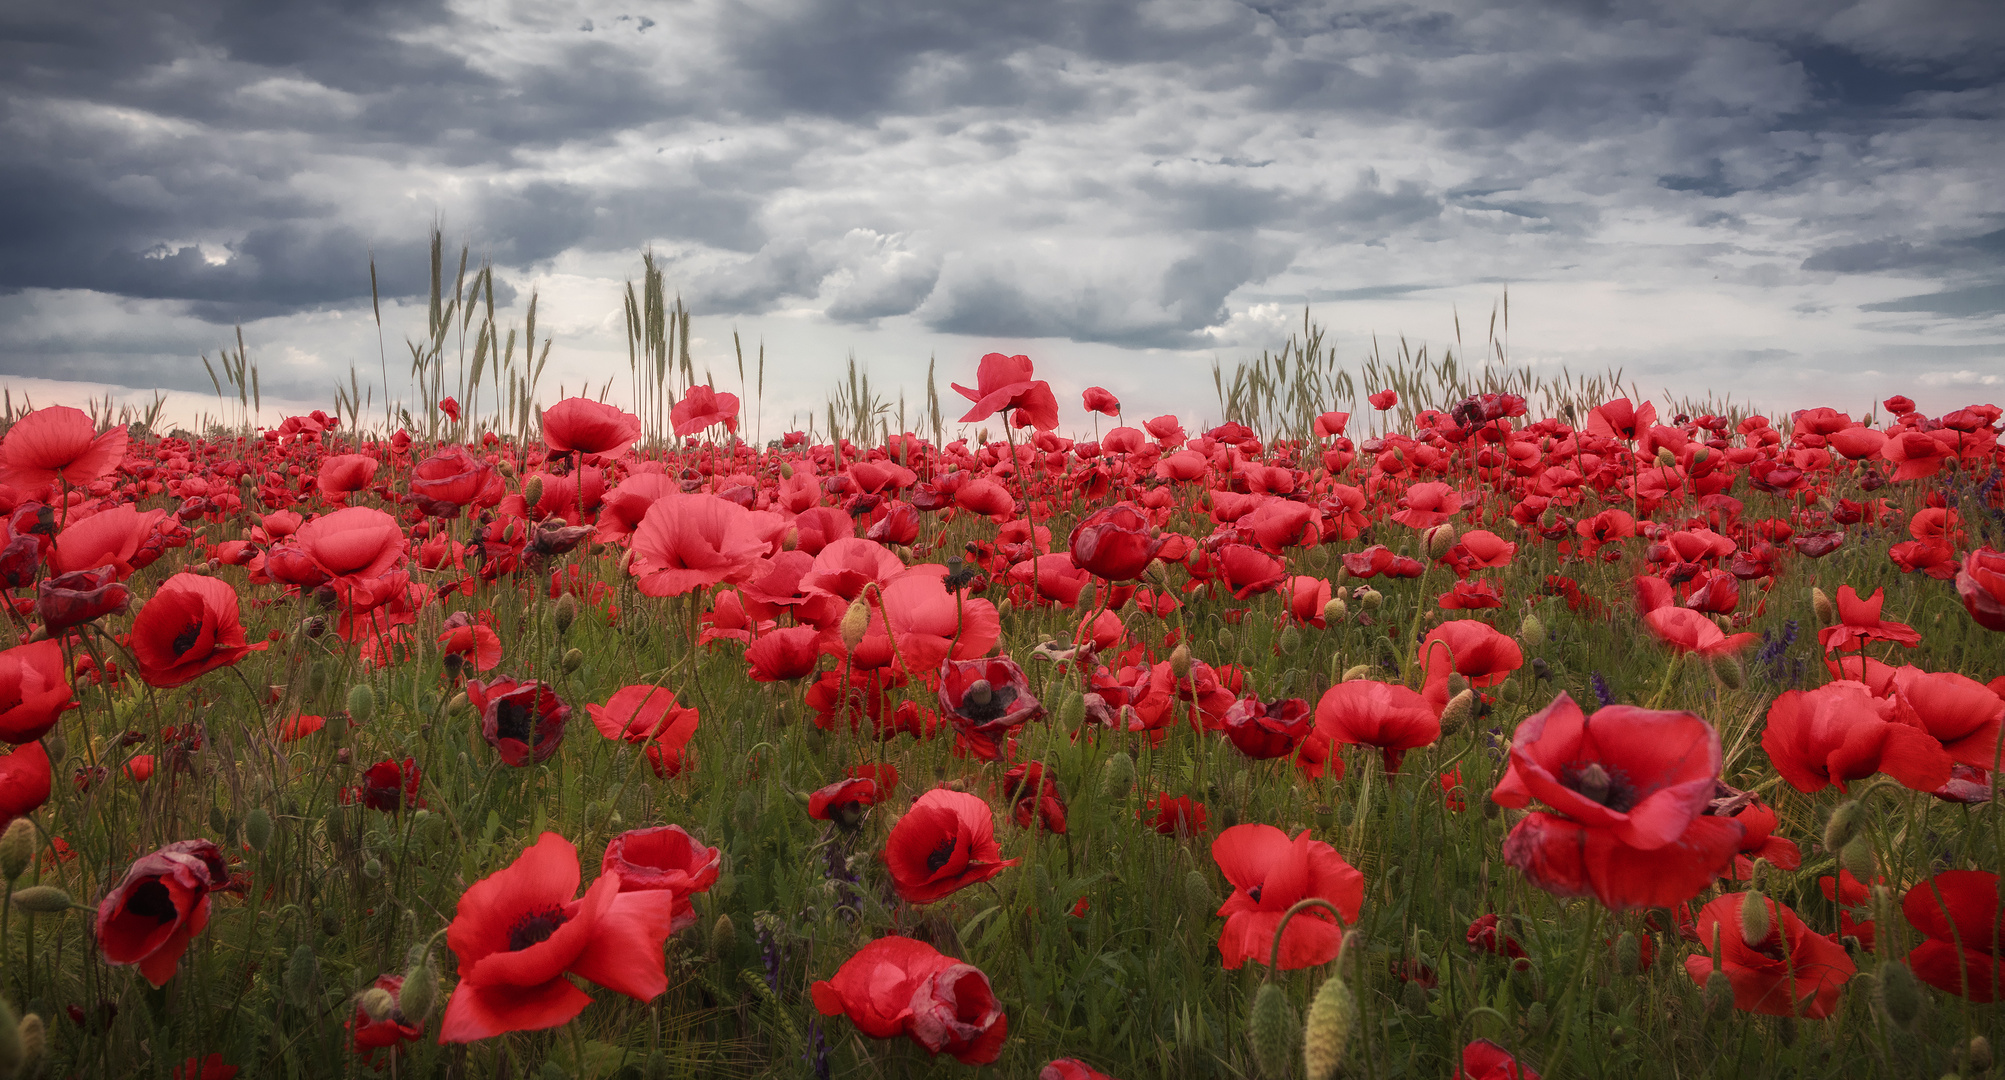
(1438, 540)
(1821, 605)
(43, 900)
(1335, 610)
(723, 936)
(1898, 995)
(1843, 825)
(1289, 641)
(34, 1041)
(1333, 1016)
(1271, 1030)
(1370, 597)
(1857, 856)
(373, 869)
(1719, 995)
(1356, 671)
(1628, 953)
(1180, 661)
(12, 1053)
(1071, 711)
(258, 828)
(1199, 900)
(1460, 708)
(458, 705)
(1976, 1053)
(361, 703)
(376, 1003)
(573, 660)
(1531, 631)
(786, 471)
(855, 622)
(564, 613)
(1665, 457)
(17, 848)
(532, 493)
(1117, 776)
(1413, 997)
(316, 678)
(301, 972)
(421, 987)
(1754, 920)
(1727, 667)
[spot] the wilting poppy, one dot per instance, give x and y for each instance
(523, 721)
(1630, 786)
(898, 986)
(1267, 729)
(380, 1033)
(34, 690)
(1269, 874)
(1792, 971)
(986, 699)
(664, 858)
(160, 904)
(946, 842)
(1489, 934)
(73, 599)
(190, 627)
(57, 442)
(518, 932)
(1365, 712)
(1034, 797)
(1959, 911)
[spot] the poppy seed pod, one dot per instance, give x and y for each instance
(17, 848)
(43, 900)
(1271, 1031)
(1333, 1016)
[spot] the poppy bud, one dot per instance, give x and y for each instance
(1357, 671)
(786, 471)
(1843, 825)
(573, 660)
(1628, 953)
(1180, 661)
(420, 989)
(1898, 995)
(1413, 997)
(1071, 711)
(301, 972)
(1535, 1016)
(1343, 592)
(17, 848)
(12, 1053)
(376, 1003)
(373, 869)
(1460, 708)
(1727, 667)
(1290, 640)
(1665, 457)
(1333, 1016)
(34, 1041)
(1531, 631)
(1719, 995)
(1117, 776)
(1457, 683)
(1335, 610)
(791, 539)
(1821, 604)
(361, 703)
(1976, 1053)
(723, 936)
(565, 613)
(1370, 597)
(1199, 900)
(43, 900)
(316, 678)
(1438, 540)
(855, 623)
(1857, 856)
(532, 492)
(1754, 920)
(458, 705)
(258, 828)
(1270, 1029)
(57, 746)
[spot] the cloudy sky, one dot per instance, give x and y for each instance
(1795, 202)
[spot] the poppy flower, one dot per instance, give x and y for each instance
(1680, 627)
(113, 537)
(160, 904)
(1629, 786)
(453, 478)
(844, 801)
(518, 932)
(1365, 712)
(585, 426)
(664, 858)
(341, 475)
(783, 655)
(636, 714)
(898, 986)
(1964, 715)
(298, 726)
(1102, 402)
(1470, 648)
(190, 627)
(945, 843)
(1980, 584)
(1428, 504)
(476, 644)
(701, 407)
(57, 442)
(25, 778)
(34, 690)
(1383, 400)
(986, 699)
(1758, 841)
(1034, 797)
(387, 1031)
(1793, 971)
(523, 721)
(204, 1068)
(1070, 1069)
(1485, 1060)
(1859, 622)
(389, 786)
(1840, 732)
(1267, 729)
(955, 1010)
(72, 599)
(1489, 934)
(1175, 815)
(1269, 873)
(360, 549)
(1003, 383)
(1960, 913)
(689, 542)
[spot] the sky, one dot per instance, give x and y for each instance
(1786, 202)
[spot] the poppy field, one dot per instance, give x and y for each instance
(1411, 733)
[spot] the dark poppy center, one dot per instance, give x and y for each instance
(186, 639)
(151, 899)
(534, 928)
(514, 720)
(996, 707)
(1253, 894)
(1610, 789)
(940, 854)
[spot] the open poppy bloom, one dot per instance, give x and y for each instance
(1793, 971)
(160, 904)
(702, 407)
(1964, 955)
(518, 932)
(584, 426)
(636, 714)
(844, 801)
(1980, 584)
(1115, 542)
(945, 843)
(783, 655)
(34, 690)
(1365, 712)
(451, 479)
(389, 786)
(1485, 1060)
(1034, 797)
(24, 781)
(1175, 815)
(1630, 787)
(688, 542)
(1840, 732)
(1683, 628)
(1958, 711)
(58, 443)
(1269, 874)
(1071, 1069)
(898, 986)
(986, 700)
(667, 859)
(190, 627)
(1859, 622)
(524, 721)
(1003, 383)
(1267, 729)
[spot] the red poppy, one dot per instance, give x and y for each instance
(476, 644)
(844, 801)
(702, 407)
(1840, 732)
(24, 781)
(1759, 841)
(1269, 874)
(1428, 504)
(1470, 648)
(57, 442)
(945, 843)
(298, 726)
(1792, 971)
(1267, 729)
(341, 475)
(360, 549)
(450, 407)
(1034, 796)
(111, 537)
(1489, 934)
(1071, 1068)
(1683, 628)
(1004, 383)
(451, 479)
(1383, 400)
(1859, 622)
(1485, 1060)
(1175, 815)
(518, 932)
(160, 904)
(590, 427)
(523, 721)
(1960, 712)
(386, 1031)
(1364, 712)
(955, 1010)
(190, 627)
(34, 690)
(1630, 786)
(1248, 571)
(1102, 402)
(389, 786)
(666, 859)
(636, 714)
(73, 599)
(986, 699)
(928, 623)
(689, 542)
(898, 986)
(1959, 911)
(204, 1068)
(1980, 583)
